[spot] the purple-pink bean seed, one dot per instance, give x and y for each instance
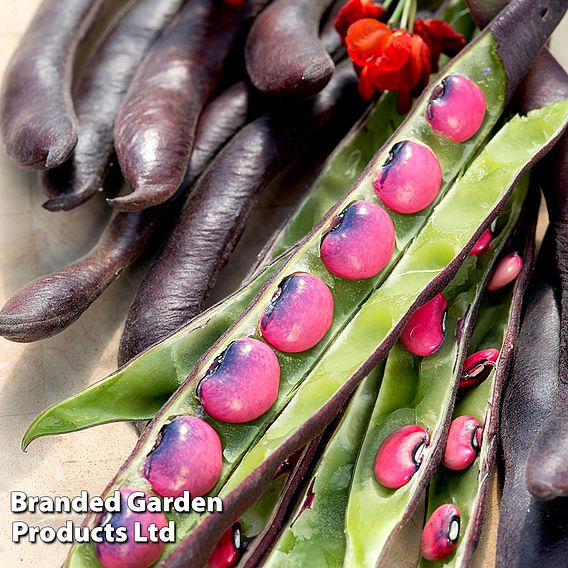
(482, 244)
(130, 554)
(299, 315)
(242, 383)
(226, 553)
(457, 108)
(410, 179)
(360, 242)
(400, 455)
(424, 333)
(463, 443)
(441, 532)
(505, 272)
(478, 366)
(187, 457)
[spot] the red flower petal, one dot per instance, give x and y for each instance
(355, 10)
(440, 37)
(367, 40)
(366, 90)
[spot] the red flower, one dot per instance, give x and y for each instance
(356, 10)
(440, 37)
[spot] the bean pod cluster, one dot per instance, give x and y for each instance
(243, 381)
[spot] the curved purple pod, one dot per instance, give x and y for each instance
(228, 549)
(482, 244)
(457, 108)
(400, 455)
(187, 457)
(130, 554)
(463, 443)
(424, 333)
(299, 315)
(441, 532)
(360, 242)
(505, 272)
(242, 383)
(410, 179)
(478, 366)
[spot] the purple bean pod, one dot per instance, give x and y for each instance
(284, 55)
(155, 126)
(38, 125)
(98, 95)
(178, 283)
(50, 303)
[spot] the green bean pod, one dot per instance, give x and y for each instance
(315, 535)
(138, 390)
(371, 332)
(418, 391)
(497, 327)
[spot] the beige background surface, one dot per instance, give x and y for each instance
(33, 242)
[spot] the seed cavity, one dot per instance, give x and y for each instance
(425, 331)
(130, 553)
(410, 178)
(441, 532)
(400, 455)
(463, 443)
(456, 108)
(299, 315)
(478, 366)
(360, 242)
(186, 457)
(242, 384)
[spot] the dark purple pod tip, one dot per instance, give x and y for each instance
(187, 457)
(130, 554)
(507, 270)
(478, 366)
(410, 179)
(463, 444)
(424, 333)
(360, 242)
(242, 383)
(441, 532)
(299, 315)
(482, 244)
(228, 549)
(400, 455)
(456, 108)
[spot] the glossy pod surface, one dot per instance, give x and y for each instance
(130, 554)
(400, 455)
(360, 242)
(505, 272)
(410, 179)
(299, 315)
(242, 384)
(441, 532)
(424, 333)
(457, 108)
(463, 443)
(187, 457)
(478, 366)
